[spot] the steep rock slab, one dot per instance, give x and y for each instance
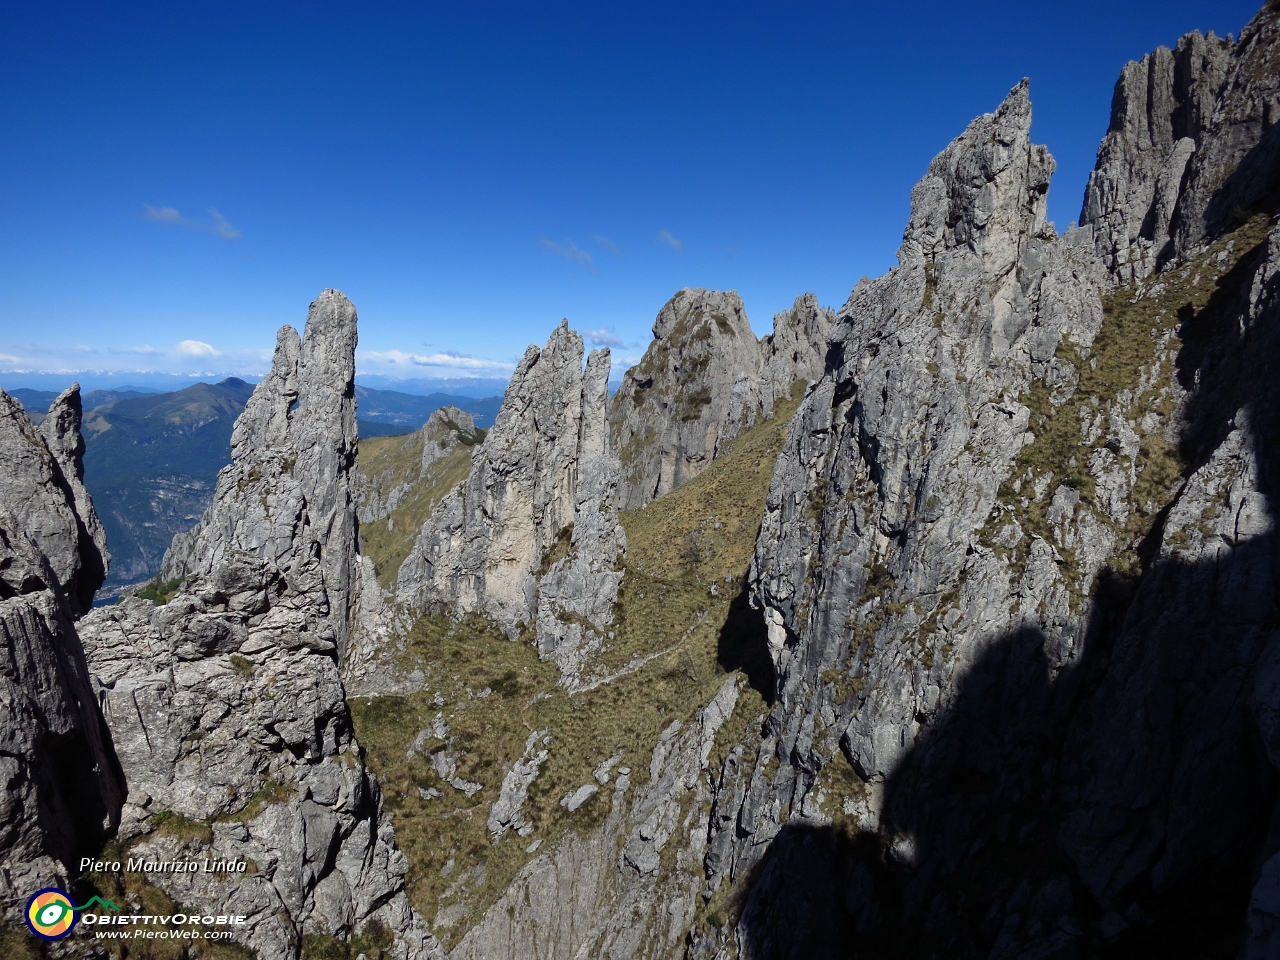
(697, 385)
(226, 705)
(61, 786)
(541, 470)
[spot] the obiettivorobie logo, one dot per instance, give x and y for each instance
(51, 915)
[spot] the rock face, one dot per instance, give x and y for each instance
(226, 706)
(444, 430)
(695, 388)
(702, 380)
(542, 476)
(62, 788)
(1192, 147)
(1017, 566)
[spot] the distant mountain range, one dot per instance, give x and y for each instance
(152, 459)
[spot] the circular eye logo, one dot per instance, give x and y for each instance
(50, 914)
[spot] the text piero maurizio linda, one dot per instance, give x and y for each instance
(143, 865)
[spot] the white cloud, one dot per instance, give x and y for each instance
(570, 251)
(197, 348)
(164, 215)
(216, 224)
(605, 338)
(399, 359)
(220, 226)
(186, 358)
(664, 236)
(607, 244)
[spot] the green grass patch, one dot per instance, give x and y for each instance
(160, 591)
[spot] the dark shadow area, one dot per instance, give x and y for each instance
(743, 644)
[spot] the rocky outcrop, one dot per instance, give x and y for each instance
(1159, 114)
(444, 431)
(871, 572)
(795, 351)
(704, 379)
(225, 704)
(541, 478)
(1191, 149)
(695, 388)
(60, 787)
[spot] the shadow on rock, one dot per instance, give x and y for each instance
(743, 644)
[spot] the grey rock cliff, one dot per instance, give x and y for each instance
(226, 704)
(61, 787)
(870, 571)
(697, 385)
(541, 476)
(577, 594)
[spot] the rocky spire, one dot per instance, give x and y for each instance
(577, 595)
(538, 473)
(1159, 113)
(62, 788)
(226, 704)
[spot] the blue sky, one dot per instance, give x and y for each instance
(177, 180)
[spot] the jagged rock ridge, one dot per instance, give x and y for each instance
(226, 705)
(1017, 565)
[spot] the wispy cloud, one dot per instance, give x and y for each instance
(447, 359)
(664, 236)
(216, 224)
(607, 244)
(605, 338)
(185, 358)
(570, 251)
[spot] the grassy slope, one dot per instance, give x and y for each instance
(679, 547)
